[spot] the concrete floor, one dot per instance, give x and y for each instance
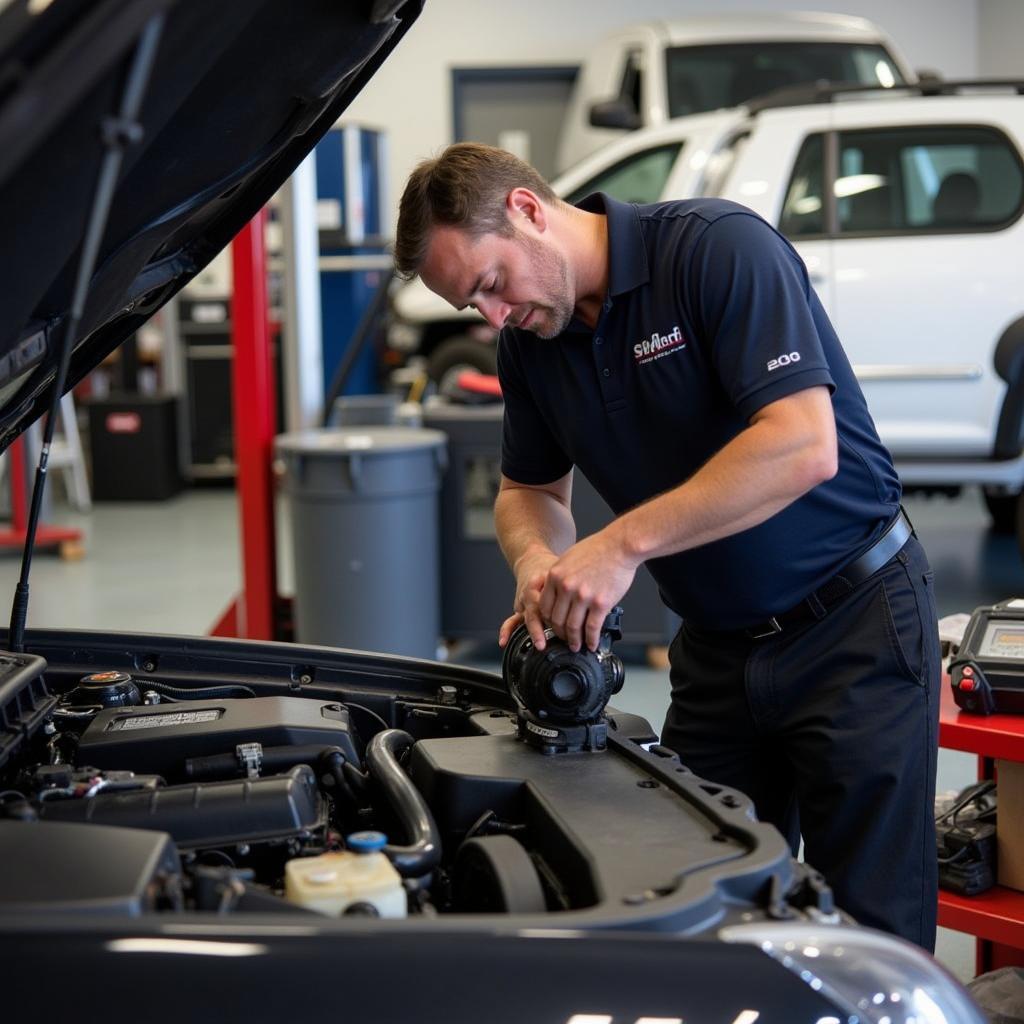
(173, 567)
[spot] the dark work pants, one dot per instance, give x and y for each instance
(832, 731)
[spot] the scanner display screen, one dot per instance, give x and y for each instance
(1003, 640)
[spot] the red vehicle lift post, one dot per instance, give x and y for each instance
(251, 614)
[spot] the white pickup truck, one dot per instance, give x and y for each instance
(647, 73)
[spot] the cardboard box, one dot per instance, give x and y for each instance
(1010, 823)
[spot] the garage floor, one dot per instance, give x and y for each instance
(173, 567)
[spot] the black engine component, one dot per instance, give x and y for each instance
(494, 875)
(583, 847)
(251, 759)
(424, 850)
(86, 869)
(50, 781)
(228, 890)
(162, 738)
(207, 814)
(106, 690)
(25, 701)
(562, 693)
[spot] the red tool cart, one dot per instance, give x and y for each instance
(996, 917)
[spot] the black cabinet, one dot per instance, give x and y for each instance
(205, 326)
(133, 443)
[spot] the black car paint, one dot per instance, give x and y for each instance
(265, 971)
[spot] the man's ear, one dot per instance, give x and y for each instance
(522, 203)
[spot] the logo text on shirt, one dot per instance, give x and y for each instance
(658, 345)
(784, 360)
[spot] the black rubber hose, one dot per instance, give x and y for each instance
(203, 693)
(335, 759)
(356, 779)
(272, 760)
(423, 853)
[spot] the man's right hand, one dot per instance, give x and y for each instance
(531, 574)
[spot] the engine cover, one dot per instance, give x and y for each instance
(85, 869)
(159, 739)
(207, 814)
(702, 848)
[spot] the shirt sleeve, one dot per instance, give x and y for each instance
(530, 453)
(756, 313)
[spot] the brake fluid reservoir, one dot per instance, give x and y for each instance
(334, 883)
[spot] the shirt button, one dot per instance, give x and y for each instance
(598, 340)
(606, 372)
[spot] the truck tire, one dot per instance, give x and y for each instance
(454, 355)
(1002, 509)
(1020, 528)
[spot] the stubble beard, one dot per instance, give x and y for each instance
(556, 309)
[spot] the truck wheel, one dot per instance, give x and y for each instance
(1002, 508)
(457, 354)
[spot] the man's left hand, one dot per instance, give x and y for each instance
(583, 586)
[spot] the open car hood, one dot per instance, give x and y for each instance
(238, 93)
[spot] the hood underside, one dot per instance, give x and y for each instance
(239, 92)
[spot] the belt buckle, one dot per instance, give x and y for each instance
(770, 628)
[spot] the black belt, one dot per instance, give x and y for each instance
(812, 607)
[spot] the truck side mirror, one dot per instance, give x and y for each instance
(930, 82)
(616, 113)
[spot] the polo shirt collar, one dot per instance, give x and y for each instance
(627, 256)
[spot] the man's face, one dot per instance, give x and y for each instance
(517, 281)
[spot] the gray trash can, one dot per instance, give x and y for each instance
(374, 410)
(477, 587)
(363, 504)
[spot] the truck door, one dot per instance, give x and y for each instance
(927, 276)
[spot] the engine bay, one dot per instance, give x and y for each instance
(230, 778)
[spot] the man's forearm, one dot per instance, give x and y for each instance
(759, 473)
(528, 518)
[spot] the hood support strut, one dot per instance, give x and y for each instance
(116, 133)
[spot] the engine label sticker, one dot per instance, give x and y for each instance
(164, 721)
(541, 731)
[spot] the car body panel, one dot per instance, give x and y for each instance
(264, 971)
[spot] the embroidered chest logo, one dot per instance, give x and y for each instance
(658, 345)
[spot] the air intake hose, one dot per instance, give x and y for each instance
(423, 853)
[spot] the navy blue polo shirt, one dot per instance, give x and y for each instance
(709, 317)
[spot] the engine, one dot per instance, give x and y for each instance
(261, 800)
(135, 793)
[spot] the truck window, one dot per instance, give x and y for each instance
(925, 179)
(639, 178)
(803, 212)
(703, 78)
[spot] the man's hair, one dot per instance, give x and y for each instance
(465, 187)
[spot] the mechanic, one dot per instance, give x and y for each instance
(677, 354)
